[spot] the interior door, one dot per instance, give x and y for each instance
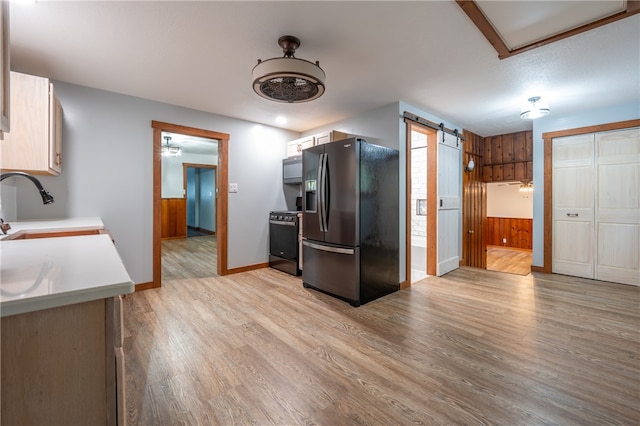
(618, 206)
(573, 198)
(449, 213)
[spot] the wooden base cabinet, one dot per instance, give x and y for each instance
(64, 366)
(34, 143)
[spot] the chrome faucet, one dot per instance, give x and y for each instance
(46, 197)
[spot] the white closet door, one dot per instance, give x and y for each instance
(618, 206)
(449, 218)
(573, 205)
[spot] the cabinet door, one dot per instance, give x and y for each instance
(34, 144)
(4, 68)
(55, 131)
(295, 147)
(331, 136)
(25, 146)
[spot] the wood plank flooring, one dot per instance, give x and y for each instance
(193, 257)
(512, 261)
(472, 347)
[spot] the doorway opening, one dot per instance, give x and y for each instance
(194, 255)
(421, 202)
(221, 141)
(509, 225)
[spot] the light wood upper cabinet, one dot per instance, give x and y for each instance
(4, 69)
(34, 144)
(296, 146)
(331, 136)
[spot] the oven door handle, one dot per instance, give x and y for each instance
(280, 222)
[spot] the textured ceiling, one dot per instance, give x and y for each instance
(427, 53)
(539, 20)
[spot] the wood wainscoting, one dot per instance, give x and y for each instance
(474, 203)
(174, 218)
(516, 231)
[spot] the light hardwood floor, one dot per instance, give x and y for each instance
(472, 347)
(193, 257)
(512, 261)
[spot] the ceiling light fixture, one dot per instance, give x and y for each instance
(169, 150)
(534, 108)
(526, 187)
(288, 79)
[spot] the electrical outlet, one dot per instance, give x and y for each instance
(504, 240)
(233, 187)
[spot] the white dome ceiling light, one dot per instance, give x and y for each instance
(534, 108)
(288, 79)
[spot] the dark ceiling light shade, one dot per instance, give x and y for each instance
(169, 150)
(288, 79)
(534, 108)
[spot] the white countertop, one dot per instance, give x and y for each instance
(45, 273)
(79, 223)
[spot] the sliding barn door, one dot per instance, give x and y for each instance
(449, 213)
(573, 198)
(618, 206)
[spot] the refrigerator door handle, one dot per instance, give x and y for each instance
(328, 248)
(323, 192)
(319, 192)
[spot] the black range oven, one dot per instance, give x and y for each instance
(284, 248)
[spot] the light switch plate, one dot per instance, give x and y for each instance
(233, 187)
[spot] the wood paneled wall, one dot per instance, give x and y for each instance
(508, 157)
(516, 231)
(174, 218)
(473, 203)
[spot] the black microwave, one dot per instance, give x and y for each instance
(292, 169)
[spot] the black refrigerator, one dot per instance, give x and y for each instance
(350, 215)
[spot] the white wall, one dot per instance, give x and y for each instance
(505, 200)
(172, 172)
(107, 172)
(555, 122)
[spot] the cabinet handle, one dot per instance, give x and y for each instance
(299, 147)
(572, 214)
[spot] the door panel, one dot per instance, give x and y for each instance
(336, 272)
(207, 213)
(618, 206)
(449, 213)
(343, 193)
(573, 197)
(573, 255)
(310, 186)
